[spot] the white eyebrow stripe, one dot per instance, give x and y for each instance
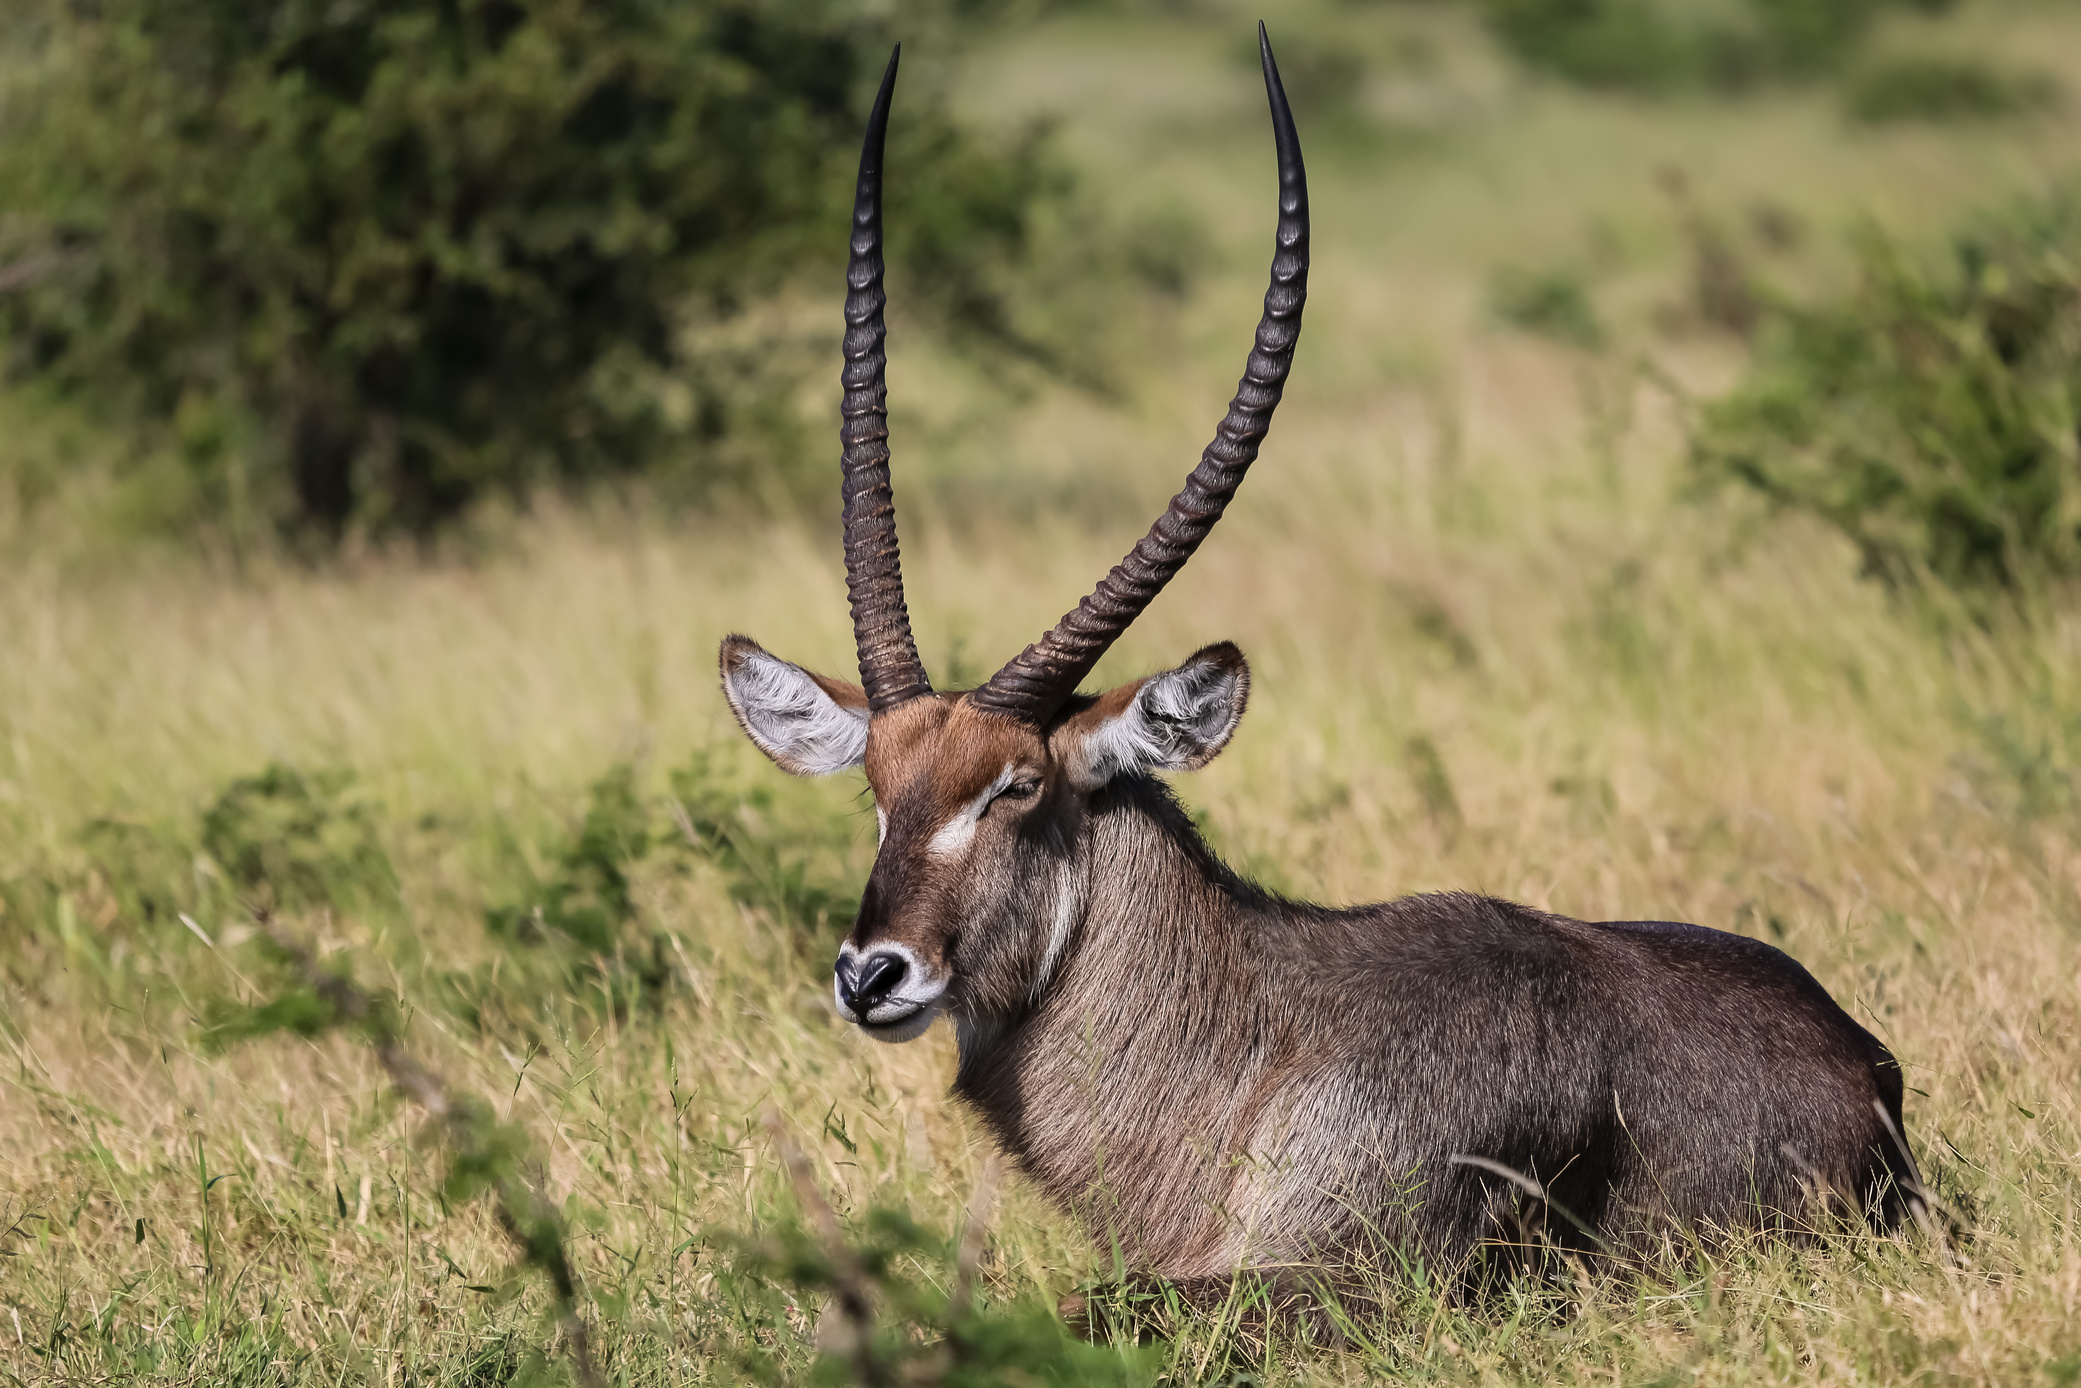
(954, 835)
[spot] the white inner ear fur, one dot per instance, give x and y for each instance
(792, 719)
(1176, 721)
(955, 834)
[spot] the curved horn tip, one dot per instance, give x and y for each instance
(880, 114)
(1282, 113)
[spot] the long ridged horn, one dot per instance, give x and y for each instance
(1035, 684)
(889, 666)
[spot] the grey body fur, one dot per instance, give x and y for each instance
(1218, 1078)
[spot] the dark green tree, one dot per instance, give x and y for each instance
(356, 262)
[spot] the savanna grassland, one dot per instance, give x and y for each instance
(1502, 640)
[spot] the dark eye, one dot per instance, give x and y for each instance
(1020, 790)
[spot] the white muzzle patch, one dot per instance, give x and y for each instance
(907, 1010)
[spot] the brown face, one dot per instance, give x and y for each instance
(977, 881)
(977, 823)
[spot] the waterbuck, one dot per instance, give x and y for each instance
(1219, 1078)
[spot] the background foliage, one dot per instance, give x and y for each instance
(1933, 414)
(1677, 45)
(368, 262)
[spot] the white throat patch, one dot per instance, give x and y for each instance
(1069, 904)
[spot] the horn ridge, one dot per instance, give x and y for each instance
(1037, 681)
(890, 670)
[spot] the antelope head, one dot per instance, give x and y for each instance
(983, 796)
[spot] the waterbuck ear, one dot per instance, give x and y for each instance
(1176, 721)
(809, 725)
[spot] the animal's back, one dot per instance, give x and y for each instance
(1643, 1074)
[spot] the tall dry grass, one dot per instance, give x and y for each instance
(1497, 643)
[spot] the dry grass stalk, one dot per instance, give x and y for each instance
(974, 1229)
(532, 1225)
(849, 1332)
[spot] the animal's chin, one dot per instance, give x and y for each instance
(908, 1027)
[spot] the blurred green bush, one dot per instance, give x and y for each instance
(1663, 46)
(1551, 303)
(360, 262)
(586, 896)
(1933, 415)
(1935, 87)
(287, 840)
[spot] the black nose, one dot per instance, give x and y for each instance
(865, 983)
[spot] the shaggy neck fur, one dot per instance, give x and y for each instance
(1158, 1020)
